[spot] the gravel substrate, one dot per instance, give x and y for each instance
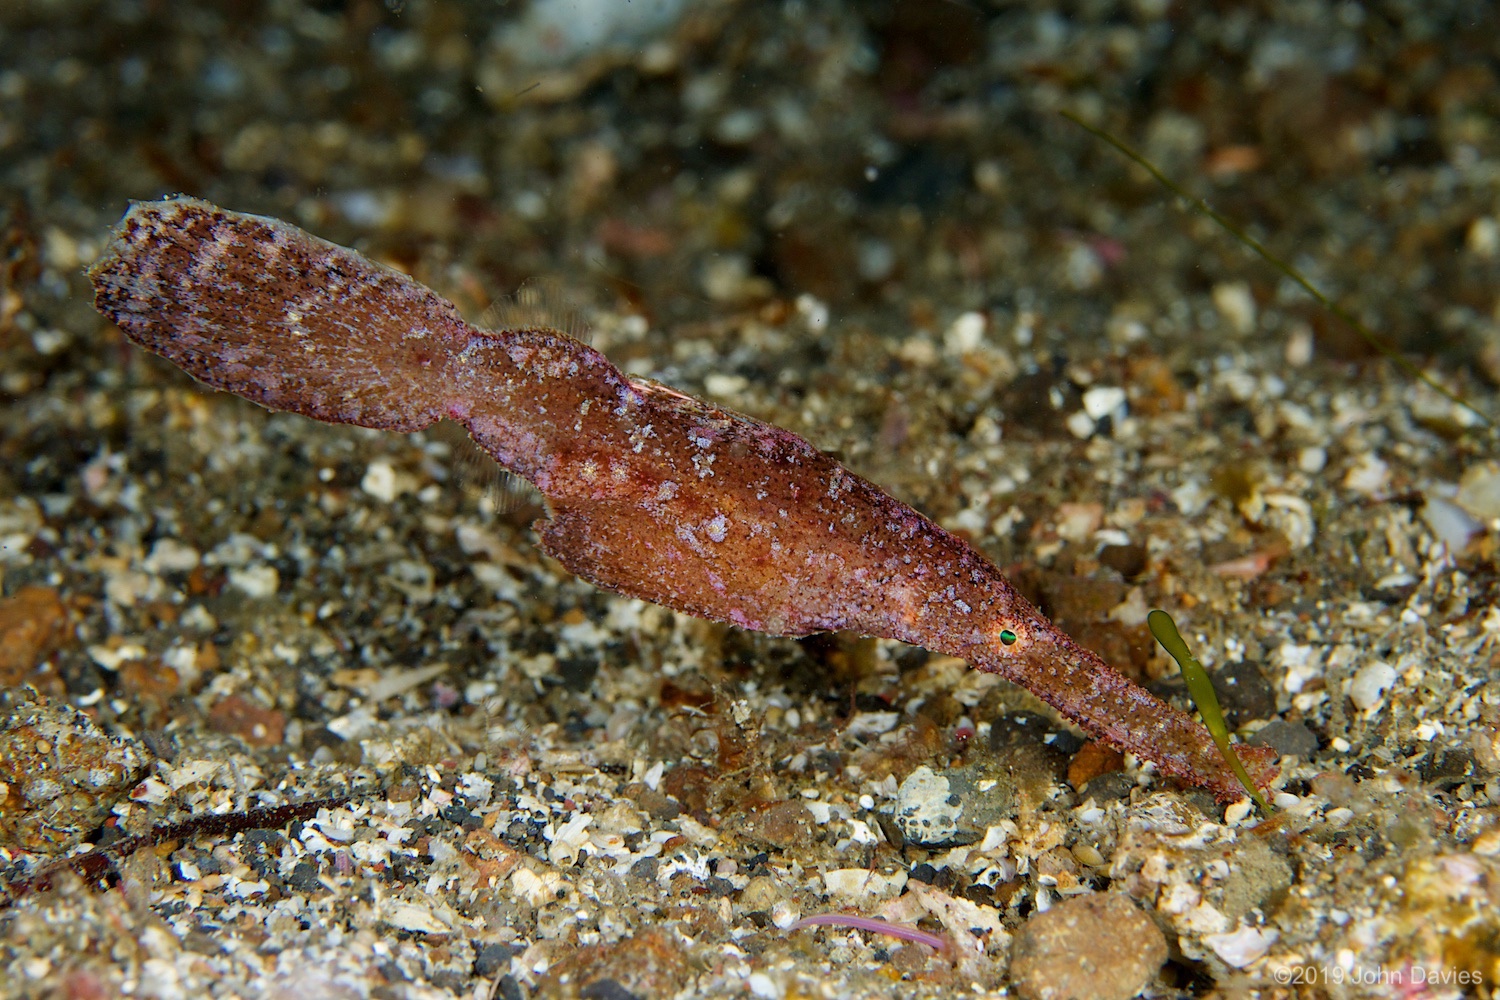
(869, 224)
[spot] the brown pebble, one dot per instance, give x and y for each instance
(689, 784)
(402, 791)
(151, 683)
(911, 958)
(1130, 561)
(782, 825)
(1095, 947)
(161, 613)
(1161, 391)
(203, 582)
(33, 623)
(1080, 599)
(1092, 760)
(658, 805)
(761, 893)
(256, 725)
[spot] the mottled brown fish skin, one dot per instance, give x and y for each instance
(651, 493)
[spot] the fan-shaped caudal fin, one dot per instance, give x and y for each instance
(262, 309)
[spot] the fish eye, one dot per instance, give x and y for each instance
(1007, 637)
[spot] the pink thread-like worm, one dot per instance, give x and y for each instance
(650, 492)
(874, 925)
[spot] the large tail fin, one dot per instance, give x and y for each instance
(265, 310)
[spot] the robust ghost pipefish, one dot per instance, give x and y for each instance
(649, 492)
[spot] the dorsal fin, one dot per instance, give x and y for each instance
(539, 304)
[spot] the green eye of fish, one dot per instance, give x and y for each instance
(1007, 637)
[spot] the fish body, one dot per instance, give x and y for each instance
(650, 492)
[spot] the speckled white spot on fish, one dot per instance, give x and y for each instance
(210, 255)
(962, 606)
(666, 491)
(718, 528)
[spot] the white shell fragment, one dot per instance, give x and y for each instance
(861, 884)
(1479, 491)
(1236, 306)
(1104, 400)
(413, 917)
(1242, 946)
(1370, 684)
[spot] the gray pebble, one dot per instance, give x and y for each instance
(1287, 738)
(952, 806)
